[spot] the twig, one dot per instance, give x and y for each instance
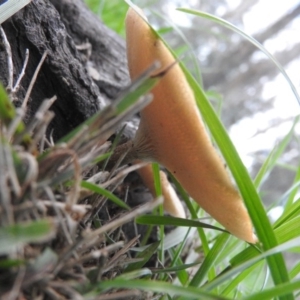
(15, 123)
(38, 119)
(39, 135)
(76, 208)
(59, 215)
(63, 290)
(15, 290)
(32, 82)
(96, 254)
(85, 46)
(11, 172)
(73, 196)
(5, 195)
(32, 169)
(10, 65)
(124, 249)
(88, 236)
(46, 104)
(98, 177)
(58, 163)
(76, 141)
(22, 73)
(126, 218)
(97, 207)
(123, 174)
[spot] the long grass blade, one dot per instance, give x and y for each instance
(160, 287)
(109, 195)
(210, 259)
(241, 267)
(249, 38)
(172, 221)
(279, 290)
(247, 189)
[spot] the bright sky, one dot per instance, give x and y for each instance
(265, 13)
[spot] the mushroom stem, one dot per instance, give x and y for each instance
(172, 203)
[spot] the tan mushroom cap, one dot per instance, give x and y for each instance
(172, 133)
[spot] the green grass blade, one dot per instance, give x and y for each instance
(176, 268)
(273, 157)
(187, 50)
(111, 12)
(184, 195)
(101, 191)
(192, 211)
(181, 273)
(158, 192)
(288, 230)
(130, 96)
(241, 267)
(145, 255)
(16, 235)
(172, 221)
(139, 87)
(230, 26)
(295, 271)
(247, 189)
(8, 111)
(244, 182)
(233, 284)
(245, 255)
(11, 263)
(160, 287)
(135, 274)
(292, 194)
(279, 290)
(210, 259)
(291, 212)
(157, 183)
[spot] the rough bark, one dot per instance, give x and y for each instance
(66, 71)
(107, 48)
(83, 80)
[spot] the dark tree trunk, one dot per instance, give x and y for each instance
(83, 80)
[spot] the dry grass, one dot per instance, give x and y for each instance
(52, 243)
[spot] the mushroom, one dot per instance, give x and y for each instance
(172, 203)
(171, 132)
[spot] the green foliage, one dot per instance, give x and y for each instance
(8, 112)
(14, 236)
(144, 256)
(109, 195)
(111, 12)
(172, 221)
